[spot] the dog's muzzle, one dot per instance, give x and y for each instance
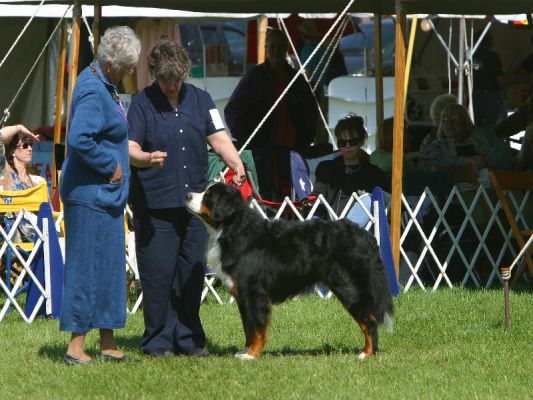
(194, 201)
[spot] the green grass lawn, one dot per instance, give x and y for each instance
(448, 344)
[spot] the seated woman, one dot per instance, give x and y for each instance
(15, 154)
(435, 110)
(461, 144)
(382, 156)
(337, 179)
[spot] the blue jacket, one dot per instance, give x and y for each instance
(97, 141)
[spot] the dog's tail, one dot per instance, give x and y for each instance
(388, 322)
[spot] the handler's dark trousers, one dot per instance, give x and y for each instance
(170, 246)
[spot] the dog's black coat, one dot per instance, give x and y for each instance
(270, 261)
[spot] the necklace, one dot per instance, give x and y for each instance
(27, 180)
(113, 92)
(350, 170)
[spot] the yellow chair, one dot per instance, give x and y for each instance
(14, 201)
(19, 202)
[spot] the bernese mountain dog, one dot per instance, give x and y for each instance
(266, 262)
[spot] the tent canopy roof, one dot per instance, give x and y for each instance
(465, 7)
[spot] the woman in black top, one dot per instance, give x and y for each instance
(337, 179)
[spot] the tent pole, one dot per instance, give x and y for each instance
(262, 24)
(74, 57)
(461, 61)
(59, 98)
(397, 149)
(378, 43)
(412, 36)
(96, 25)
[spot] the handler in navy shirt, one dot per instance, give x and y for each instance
(170, 124)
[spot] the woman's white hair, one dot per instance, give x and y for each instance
(457, 110)
(119, 46)
(438, 104)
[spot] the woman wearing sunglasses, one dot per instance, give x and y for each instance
(337, 179)
(16, 153)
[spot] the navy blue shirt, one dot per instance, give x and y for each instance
(154, 125)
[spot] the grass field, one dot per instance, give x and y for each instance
(448, 344)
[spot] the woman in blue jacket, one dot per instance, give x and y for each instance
(94, 189)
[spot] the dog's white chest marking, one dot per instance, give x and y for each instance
(214, 258)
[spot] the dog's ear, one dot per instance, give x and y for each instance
(226, 203)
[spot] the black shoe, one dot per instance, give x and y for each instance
(109, 357)
(68, 359)
(195, 352)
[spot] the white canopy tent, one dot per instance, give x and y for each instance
(379, 7)
(460, 7)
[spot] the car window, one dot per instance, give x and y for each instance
(230, 36)
(190, 38)
(237, 48)
(353, 46)
(210, 35)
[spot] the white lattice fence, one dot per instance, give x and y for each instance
(469, 231)
(468, 234)
(18, 256)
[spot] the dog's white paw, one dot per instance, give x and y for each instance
(361, 356)
(243, 355)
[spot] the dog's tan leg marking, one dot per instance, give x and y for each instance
(257, 344)
(367, 350)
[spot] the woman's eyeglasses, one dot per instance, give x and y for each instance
(348, 142)
(24, 145)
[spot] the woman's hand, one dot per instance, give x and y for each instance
(7, 132)
(117, 176)
(145, 159)
(157, 159)
(240, 175)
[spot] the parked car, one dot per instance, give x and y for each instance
(358, 49)
(228, 39)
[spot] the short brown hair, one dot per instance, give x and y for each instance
(168, 61)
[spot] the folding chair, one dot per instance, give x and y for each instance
(21, 202)
(209, 281)
(504, 183)
(300, 177)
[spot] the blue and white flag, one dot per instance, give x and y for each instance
(300, 176)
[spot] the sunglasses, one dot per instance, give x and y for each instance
(24, 145)
(348, 142)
